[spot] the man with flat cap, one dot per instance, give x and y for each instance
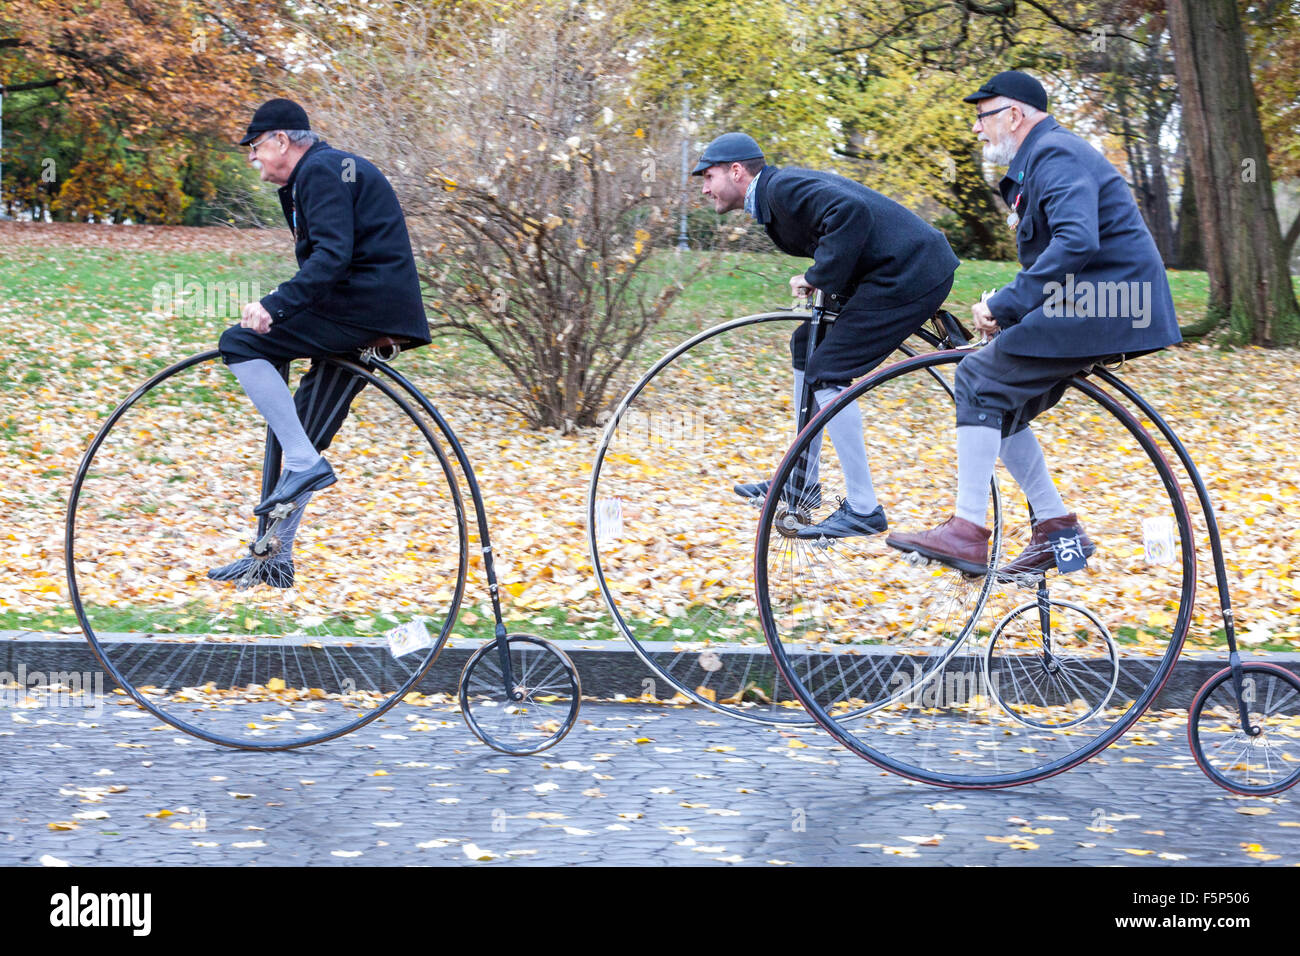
(356, 282)
(1078, 233)
(883, 270)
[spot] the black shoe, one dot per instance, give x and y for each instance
(277, 572)
(293, 484)
(757, 491)
(844, 522)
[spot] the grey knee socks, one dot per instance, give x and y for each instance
(815, 447)
(845, 429)
(1023, 457)
(977, 454)
(271, 395)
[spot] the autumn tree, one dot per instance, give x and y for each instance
(536, 186)
(834, 85)
(142, 82)
(1273, 34)
(1250, 285)
(1251, 290)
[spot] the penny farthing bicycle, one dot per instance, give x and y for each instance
(332, 621)
(671, 543)
(1002, 679)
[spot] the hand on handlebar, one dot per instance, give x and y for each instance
(983, 319)
(799, 288)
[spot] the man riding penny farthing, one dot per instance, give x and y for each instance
(671, 546)
(321, 625)
(982, 695)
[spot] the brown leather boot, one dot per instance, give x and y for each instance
(1038, 558)
(958, 543)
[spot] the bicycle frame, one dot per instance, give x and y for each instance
(480, 513)
(1211, 526)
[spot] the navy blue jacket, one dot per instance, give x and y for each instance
(1092, 281)
(355, 264)
(863, 245)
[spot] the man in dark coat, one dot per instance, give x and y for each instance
(356, 282)
(883, 270)
(1092, 286)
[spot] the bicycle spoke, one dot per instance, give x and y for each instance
(549, 685)
(1260, 765)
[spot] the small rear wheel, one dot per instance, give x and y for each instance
(1264, 757)
(536, 711)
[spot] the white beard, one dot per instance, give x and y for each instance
(1000, 155)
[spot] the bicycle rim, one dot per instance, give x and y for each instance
(165, 494)
(670, 540)
(954, 733)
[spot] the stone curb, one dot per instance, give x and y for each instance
(606, 668)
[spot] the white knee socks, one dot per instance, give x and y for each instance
(815, 448)
(977, 454)
(845, 429)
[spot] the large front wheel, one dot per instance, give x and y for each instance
(337, 618)
(888, 657)
(670, 540)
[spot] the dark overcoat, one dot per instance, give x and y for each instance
(1092, 281)
(355, 265)
(863, 245)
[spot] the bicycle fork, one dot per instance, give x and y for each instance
(503, 646)
(817, 324)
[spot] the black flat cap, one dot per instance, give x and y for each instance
(1014, 85)
(728, 148)
(275, 114)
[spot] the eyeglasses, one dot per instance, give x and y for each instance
(979, 117)
(254, 146)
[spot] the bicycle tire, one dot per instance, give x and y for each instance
(929, 736)
(211, 658)
(1278, 716)
(670, 550)
(548, 709)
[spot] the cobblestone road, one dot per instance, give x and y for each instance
(633, 784)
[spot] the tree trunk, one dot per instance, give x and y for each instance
(1250, 285)
(1191, 250)
(1156, 207)
(977, 208)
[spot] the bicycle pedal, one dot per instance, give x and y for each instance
(1029, 582)
(916, 559)
(282, 510)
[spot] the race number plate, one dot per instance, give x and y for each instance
(1067, 547)
(408, 637)
(609, 519)
(1158, 540)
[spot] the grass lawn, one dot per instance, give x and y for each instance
(81, 332)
